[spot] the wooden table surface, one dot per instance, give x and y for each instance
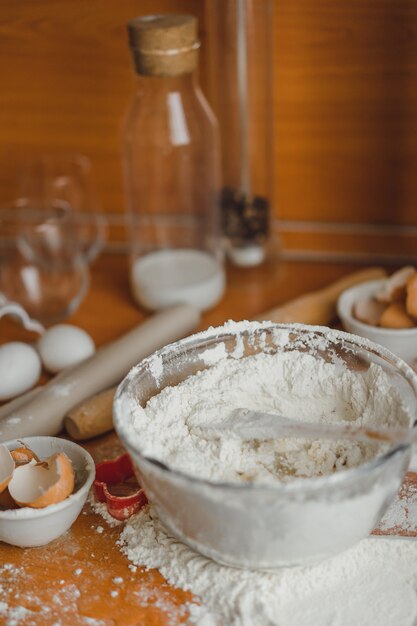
(70, 582)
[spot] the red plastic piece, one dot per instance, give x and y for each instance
(116, 472)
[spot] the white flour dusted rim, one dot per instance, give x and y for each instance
(137, 423)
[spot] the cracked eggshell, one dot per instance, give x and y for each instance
(7, 466)
(23, 455)
(20, 369)
(401, 341)
(38, 485)
(28, 527)
(64, 345)
(394, 287)
(368, 310)
(411, 298)
(395, 316)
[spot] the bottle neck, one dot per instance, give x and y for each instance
(167, 84)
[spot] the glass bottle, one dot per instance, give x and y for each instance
(240, 89)
(172, 170)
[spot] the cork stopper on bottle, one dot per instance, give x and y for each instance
(164, 45)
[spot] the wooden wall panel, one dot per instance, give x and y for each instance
(345, 98)
(66, 81)
(346, 110)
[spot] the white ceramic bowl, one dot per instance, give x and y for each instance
(402, 342)
(28, 527)
(265, 526)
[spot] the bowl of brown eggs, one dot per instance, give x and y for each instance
(384, 311)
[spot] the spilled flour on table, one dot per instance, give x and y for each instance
(402, 513)
(100, 508)
(26, 608)
(372, 584)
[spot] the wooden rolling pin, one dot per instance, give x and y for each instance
(94, 417)
(319, 307)
(42, 412)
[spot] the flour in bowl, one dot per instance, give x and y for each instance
(295, 384)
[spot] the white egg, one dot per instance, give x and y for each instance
(20, 368)
(64, 345)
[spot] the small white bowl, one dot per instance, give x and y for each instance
(402, 342)
(28, 527)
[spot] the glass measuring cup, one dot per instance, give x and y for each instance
(42, 267)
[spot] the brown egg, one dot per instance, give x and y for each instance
(7, 466)
(369, 311)
(395, 316)
(411, 298)
(38, 485)
(395, 286)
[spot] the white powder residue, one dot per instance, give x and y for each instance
(101, 509)
(161, 599)
(14, 615)
(63, 602)
(295, 384)
(372, 584)
(403, 511)
(214, 355)
(156, 367)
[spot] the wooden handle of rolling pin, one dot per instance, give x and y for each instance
(94, 416)
(91, 418)
(319, 307)
(44, 412)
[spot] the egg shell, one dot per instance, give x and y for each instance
(368, 310)
(63, 346)
(7, 466)
(401, 341)
(23, 455)
(395, 286)
(41, 484)
(395, 316)
(29, 527)
(411, 300)
(20, 368)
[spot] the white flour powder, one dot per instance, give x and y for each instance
(294, 384)
(372, 584)
(402, 512)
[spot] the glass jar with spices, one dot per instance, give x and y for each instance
(172, 170)
(240, 89)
